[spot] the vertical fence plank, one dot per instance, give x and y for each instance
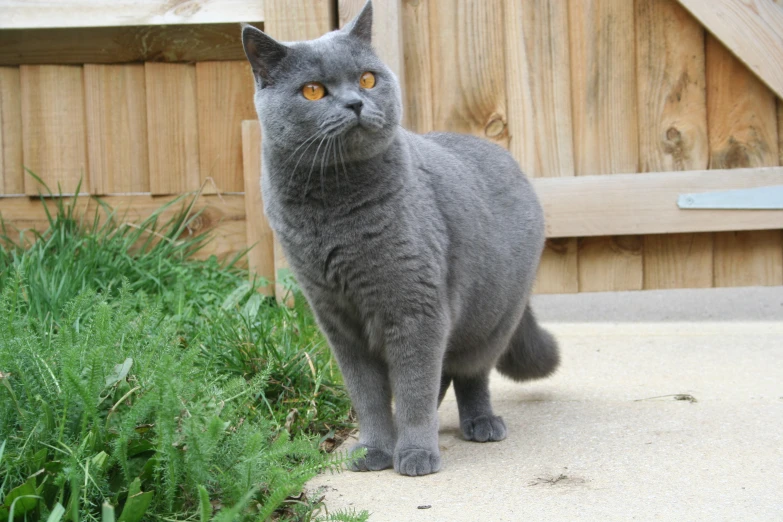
(742, 133)
(225, 98)
(780, 134)
(11, 173)
(780, 128)
(172, 127)
(289, 20)
(418, 114)
(539, 115)
(261, 257)
(53, 130)
(468, 68)
(672, 130)
(603, 76)
(116, 109)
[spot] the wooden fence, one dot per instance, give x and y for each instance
(615, 107)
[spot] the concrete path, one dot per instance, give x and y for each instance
(644, 421)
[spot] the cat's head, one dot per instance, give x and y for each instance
(332, 87)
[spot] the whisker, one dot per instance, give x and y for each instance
(342, 159)
(291, 156)
(312, 165)
(293, 171)
(336, 168)
(326, 153)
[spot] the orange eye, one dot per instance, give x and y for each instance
(313, 91)
(367, 80)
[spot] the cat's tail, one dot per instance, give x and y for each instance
(532, 352)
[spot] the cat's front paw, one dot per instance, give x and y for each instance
(374, 460)
(484, 428)
(416, 461)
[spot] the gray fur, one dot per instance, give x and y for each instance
(416, 253)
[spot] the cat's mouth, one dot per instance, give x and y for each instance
(366, 122)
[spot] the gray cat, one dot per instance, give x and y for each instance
(416, 253)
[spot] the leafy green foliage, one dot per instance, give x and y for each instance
(140, 384)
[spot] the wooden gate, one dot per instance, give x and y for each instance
(615, 107)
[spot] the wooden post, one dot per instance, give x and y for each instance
(11, 174)
(260, 259)
(742, 133)
(469, 68)
(672, 130)
(292, 20)
(603, 75)
(418, 67)
(538, 86)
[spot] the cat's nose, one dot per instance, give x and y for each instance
(355, 106)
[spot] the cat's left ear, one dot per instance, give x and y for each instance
(263, 52)
(361, 26)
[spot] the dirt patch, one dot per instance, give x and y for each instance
(560, 480)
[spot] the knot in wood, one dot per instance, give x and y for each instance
(495, 126)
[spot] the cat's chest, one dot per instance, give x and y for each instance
(334, 250)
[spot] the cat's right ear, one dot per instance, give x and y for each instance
(263, 52)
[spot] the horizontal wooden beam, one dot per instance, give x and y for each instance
(151, 43)
(751, 29)
(222, 216)
(30, 14)
(583, 206)
(626, 204)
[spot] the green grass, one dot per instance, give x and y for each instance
(141, 384)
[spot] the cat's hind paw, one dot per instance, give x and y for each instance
(374, 460)
(484, 428)
(416, 461)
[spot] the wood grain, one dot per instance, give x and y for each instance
(295, 20)
(225, 98)
(170, 43)
(647, 203)
(742, 133)
(11, 173)
(538, 87)
(53, 127)
(260, 239)
(603, 83)
(780, 128)
(223, 217)
(751, 29)
(116, 114)
(468, 68)
(558, 272)
(386, 31)
(678, 261)
(539, 115)
(172, 127)
(672, 130)
(22, 14)
(748, 258)
(418, 110)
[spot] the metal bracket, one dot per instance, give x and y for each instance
(760, 198)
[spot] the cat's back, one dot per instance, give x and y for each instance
(464, 167)
(469, 149)
(473, 161)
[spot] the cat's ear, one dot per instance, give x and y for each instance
(361, 26)
(263, 52)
